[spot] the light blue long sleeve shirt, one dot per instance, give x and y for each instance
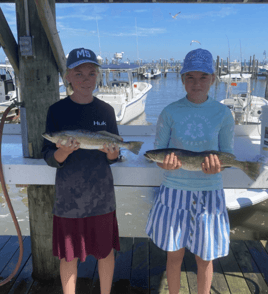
(195, 127)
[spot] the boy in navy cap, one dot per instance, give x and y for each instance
(190, 211)
(84, 221)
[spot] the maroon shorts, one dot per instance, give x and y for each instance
(80, 237)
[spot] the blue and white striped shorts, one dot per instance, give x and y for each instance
(197, 220)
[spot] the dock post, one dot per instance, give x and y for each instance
(266, 88)
(253, 67)
(221, 66)
(218, 65)
(39, 80)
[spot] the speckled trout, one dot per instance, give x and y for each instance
(192, 160)
(93, 140)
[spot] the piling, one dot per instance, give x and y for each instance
(218, 65)
(266, 89)
(39, 79)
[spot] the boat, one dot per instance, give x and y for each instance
(235, 66)
(116, 87)
(8, 91)
(246, 108)
(263, 69)
(154, 73)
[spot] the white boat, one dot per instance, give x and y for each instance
(235, 66)
(263, 69)
(157, 73)
(154, 73)
(245, 107)
(8, 91)
(148, 75)
(7, 83)
(116, 87)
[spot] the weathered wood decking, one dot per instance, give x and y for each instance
(140, 268)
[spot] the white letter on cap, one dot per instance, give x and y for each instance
(82, 52)
(87, 53)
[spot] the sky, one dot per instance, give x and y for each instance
(147, 31)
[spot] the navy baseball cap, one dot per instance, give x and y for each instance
(80, 56)
(198, 60)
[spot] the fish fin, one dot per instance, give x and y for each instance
(105, 133)
(252, 169)
(135, 146)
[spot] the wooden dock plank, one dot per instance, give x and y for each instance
(233, 275)
(158, 259)
(85, 274)
(7, 251)
(219, 284)
(260, 256)
(45, 287)
(265, 245)
(251, 273)
(140, 268)
(23, 277)
(24, 281)
(122, 270)
(139, 280)
(184, 289)
(4, 240)
(191, 270)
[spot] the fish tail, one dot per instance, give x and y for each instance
(252, 169)
(135, 146)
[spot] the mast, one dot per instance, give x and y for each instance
(137, 40)
(98, 35)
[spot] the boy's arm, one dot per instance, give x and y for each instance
(50, 148)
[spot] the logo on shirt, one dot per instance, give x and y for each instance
(97, 123)
(195, 130)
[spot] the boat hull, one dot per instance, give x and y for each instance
(128, 103)
(133, 110)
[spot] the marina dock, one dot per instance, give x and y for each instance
(140, 268)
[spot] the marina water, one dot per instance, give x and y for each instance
(165, 90)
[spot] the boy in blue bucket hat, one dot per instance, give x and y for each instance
(189, 210)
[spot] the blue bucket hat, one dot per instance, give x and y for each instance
(198, 60)
(80, 56)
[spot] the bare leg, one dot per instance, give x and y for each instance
(68, 275)
(204, 275)
(106, 272)
(174, 261)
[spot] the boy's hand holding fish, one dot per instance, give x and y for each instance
(64, 150)
(112, 150)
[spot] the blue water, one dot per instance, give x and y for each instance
(169, 89)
